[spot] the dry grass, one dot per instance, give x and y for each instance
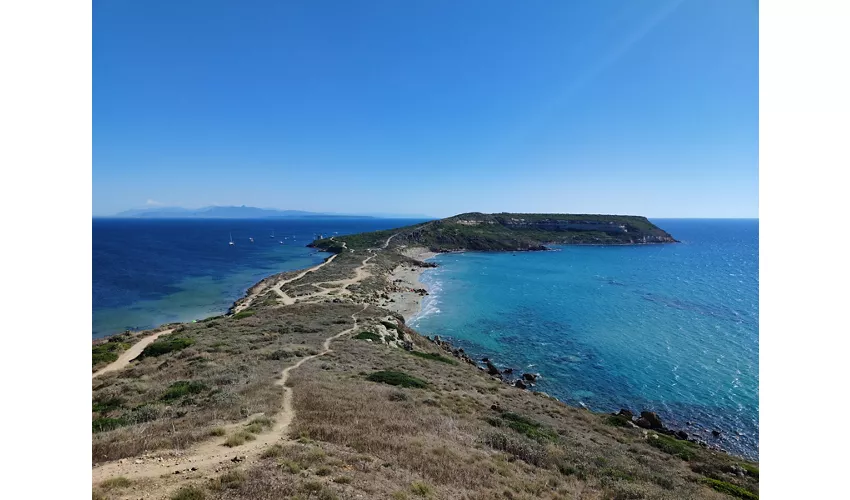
(459, 434)
(229, 373)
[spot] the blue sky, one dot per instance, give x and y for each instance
(437, 107)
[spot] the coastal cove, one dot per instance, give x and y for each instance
(671, 329)
(304, 349)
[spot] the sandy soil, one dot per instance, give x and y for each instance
(407, 303)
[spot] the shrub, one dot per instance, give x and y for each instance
(421, 489)
(115, 483)
(433, 357)
(730, 489)
(259, 424)
(323, 471)
(751, 469)
(182, 388)
(103, 424)
(239, 439)
(342, 480)
(682, 449)
(244, 314)
(107, 352)
(527, 451)
(164, 346)
(524, 426)
(218, 431)
(618, 421)
(389, 326)
(397, 378)
(189, 493)
(106, 405)
(364, 335)
(231, 479)
(272, 451)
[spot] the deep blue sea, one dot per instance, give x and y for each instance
(149, 272)
(668, 328)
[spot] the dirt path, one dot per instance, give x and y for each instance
(207, 457)
(276, 287)
(130, 354)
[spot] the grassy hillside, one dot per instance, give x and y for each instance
(510, 232)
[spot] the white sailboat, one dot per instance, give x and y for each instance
(251, 238)
(272, 235)
(231, 239)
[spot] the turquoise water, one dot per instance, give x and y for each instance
(669, 328)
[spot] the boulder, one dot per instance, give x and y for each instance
(643, 423)
(529, 377)
(520, 384)
(492, 370)
(652, 418)
(508, 370)
(626, 413)
(682, 435)
(715, 433)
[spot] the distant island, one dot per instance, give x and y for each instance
(314, 386)
(244, 212)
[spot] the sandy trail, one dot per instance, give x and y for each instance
(130, 354)
(276, 287)
(204, 458)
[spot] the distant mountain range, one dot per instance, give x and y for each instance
(244, 212)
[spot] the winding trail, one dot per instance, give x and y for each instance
(130, 354)
(276, 287)
(205, 457)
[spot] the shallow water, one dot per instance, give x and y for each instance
(670, 328)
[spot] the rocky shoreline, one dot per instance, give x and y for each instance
(647, 420)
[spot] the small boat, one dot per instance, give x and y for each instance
(281, 242)
(231, 239)
(252, 239)
(272, 235)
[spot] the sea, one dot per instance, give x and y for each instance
(147, 272)
(667, 328)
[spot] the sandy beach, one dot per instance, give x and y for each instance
(404, 278)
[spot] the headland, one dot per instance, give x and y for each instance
(314, 386)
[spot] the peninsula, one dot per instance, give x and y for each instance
(313, 386)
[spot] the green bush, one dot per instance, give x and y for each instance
(107, 352)
(182, 388)
(682, 449)
(751, 469)
(106, 405)
(389, 326)
(433, 357)
(730, 489)
(364, 335)
(166, 345)
(524, 426)
(397, 378)
(189, 493)
(244, 314)
(618, 421)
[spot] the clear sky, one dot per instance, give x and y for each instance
(646, 107)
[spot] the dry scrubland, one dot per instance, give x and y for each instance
(373, 419)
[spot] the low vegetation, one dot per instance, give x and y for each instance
(433, 357)
(165, 345)
(397, 378)
(366, 335)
